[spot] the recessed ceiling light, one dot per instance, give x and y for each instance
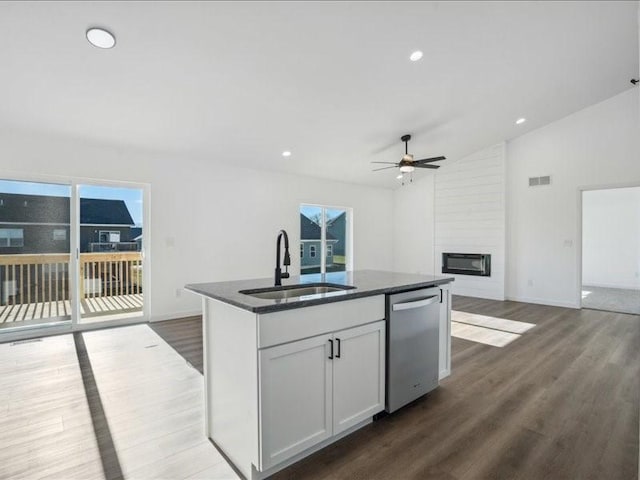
(415, 56)
(520, 121)
(286, 153)
(99, 37)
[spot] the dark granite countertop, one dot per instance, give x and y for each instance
(366, 282)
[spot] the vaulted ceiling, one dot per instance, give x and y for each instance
(240, 82)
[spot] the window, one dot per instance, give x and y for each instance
(109, 237)
(301, 250)
(326, 229)
(59, 234)
(11, 237)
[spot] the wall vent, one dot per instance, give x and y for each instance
(535, 181)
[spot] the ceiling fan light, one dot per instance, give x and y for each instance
(407, 169)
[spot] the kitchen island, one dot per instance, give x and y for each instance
(293, 369)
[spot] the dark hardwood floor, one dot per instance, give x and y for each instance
(561, 402)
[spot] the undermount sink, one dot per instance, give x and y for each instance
(300, 290)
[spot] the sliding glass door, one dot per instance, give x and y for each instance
(324, 239)
(110, 253)
(42, 284)
(35, 286)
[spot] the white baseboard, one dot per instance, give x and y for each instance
(475, 294)
(624, 286)
(175, 315)
(543, 301)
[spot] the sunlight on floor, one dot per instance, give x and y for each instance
(497, 332)
(585, 293)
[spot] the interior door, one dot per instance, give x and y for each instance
(358, 375)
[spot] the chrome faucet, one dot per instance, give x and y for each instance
(287, 260)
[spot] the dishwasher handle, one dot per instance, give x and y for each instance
(415, 303)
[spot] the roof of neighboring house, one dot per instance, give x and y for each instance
(310, 230)
(19, 208)
(104, 212)
(340, 218)
(135, 232)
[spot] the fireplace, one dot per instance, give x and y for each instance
(478, 264)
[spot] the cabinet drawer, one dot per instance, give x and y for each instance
(286, 326)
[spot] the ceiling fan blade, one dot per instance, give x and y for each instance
(391, 163)
(429, 160)
(383, 168)
(426, 166)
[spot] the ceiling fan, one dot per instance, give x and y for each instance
(408, 164)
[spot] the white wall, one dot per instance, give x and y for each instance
(413, 206)
(460, 208)
(597, 146)
(209, 221)
(611, 238)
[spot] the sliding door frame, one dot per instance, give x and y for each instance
(74, 251)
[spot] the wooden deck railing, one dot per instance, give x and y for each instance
(33, 278)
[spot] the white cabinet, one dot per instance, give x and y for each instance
(295, 398)
(316, 388)
(358, 375)
(445, 332)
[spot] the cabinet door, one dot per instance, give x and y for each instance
(295, 398)
(358, 375)
(445, 334)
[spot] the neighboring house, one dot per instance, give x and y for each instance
(40, 224)
(337, 228)
(136, 236)
(105, 225)
(310, 245)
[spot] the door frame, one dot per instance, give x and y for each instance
(579, 239)
(74, 249)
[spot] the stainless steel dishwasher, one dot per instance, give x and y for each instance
(413, 338)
